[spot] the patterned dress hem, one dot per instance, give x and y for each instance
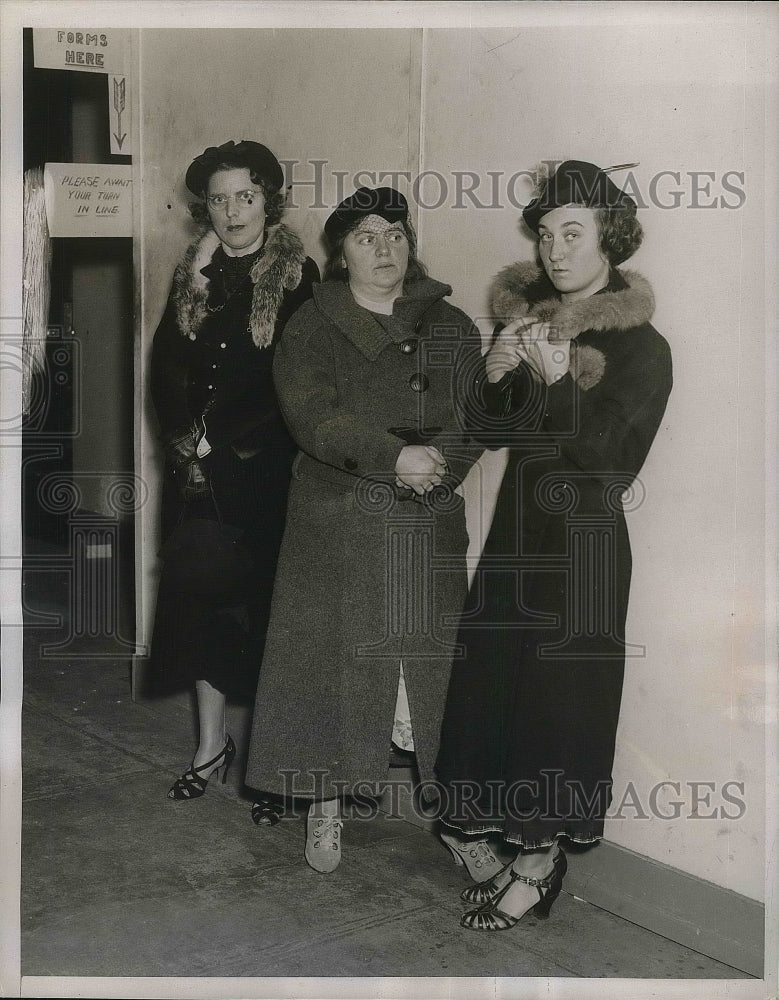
(473, 831)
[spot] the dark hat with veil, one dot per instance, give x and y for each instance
(385, 202)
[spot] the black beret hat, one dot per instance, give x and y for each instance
(576, 182)
(254, 156)
(385, 202)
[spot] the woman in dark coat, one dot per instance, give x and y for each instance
(228, 452)
(372, 568)
(576, 386)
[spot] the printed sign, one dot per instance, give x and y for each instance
(119, 115)
(89, 50)
(88, 199)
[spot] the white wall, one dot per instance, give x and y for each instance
(483, 99)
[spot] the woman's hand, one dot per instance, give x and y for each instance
(504, 355)
(420, 467)
(550, 361)
(529, 342)
(181, 447)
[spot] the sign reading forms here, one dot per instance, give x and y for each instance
(91, 51)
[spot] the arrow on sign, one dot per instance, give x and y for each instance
(119, 105)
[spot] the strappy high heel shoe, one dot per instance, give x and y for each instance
(483, 892)
(476, 855)
(490, 917)
(266, 813)
(192, 784)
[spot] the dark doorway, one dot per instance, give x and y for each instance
(77, 445)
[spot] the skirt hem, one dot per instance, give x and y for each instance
(514, 838)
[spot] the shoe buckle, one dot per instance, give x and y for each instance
(538, 883)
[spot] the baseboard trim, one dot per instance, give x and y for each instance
(716, 922)
(139, 677)
(713, 921)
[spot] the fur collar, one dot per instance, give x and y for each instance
(523, 289)
(280, 267)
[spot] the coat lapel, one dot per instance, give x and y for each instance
(335, 300)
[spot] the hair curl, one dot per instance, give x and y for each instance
(620, 233)
(274, 200)
(335, 269)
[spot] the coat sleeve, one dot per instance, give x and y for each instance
(305, 374)
(308, 278)
(496, 413)
(609, 430)
(605, 430)
(168, 374)
(459, 442)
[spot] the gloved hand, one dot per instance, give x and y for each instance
(181, 447)
(193, 481)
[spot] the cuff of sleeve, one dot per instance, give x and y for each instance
(378, 459)
(497, 395)
(560, 407)
(389, 453)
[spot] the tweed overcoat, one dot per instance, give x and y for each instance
(533, 707)
(366, 575)
(213, 354)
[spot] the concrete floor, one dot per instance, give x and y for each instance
(119, 881)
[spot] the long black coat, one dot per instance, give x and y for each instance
(365, 578)
(533, 707)
(221, 362)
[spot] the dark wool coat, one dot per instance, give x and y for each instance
(221, 361)
(365, 577)
(534, 705)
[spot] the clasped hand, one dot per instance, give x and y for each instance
(526, 341)
(181, 447)
(420, 467)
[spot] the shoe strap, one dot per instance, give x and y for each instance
(538, 883)
(189, 780)
(227, 750)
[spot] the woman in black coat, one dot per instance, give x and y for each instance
(576, 386)
(228, 452)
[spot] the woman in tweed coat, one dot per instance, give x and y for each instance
(372, 568)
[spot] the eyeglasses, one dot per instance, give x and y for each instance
(220, 201)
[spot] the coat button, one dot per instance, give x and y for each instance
(223, 345)
(419, 382)
(350, 464)
(408, 346)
